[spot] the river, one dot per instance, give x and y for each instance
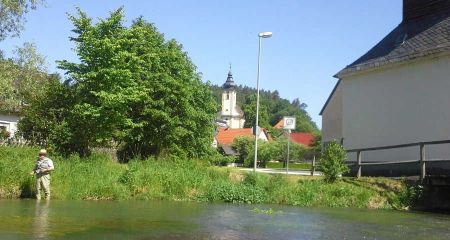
(29, 219)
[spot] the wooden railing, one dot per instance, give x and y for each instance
(422, 159)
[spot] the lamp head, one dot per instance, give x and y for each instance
(265, 34)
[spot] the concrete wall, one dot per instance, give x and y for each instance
(332, 117)
(9, 122)
(403, 104)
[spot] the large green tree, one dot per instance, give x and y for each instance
(136, 89)
(46, 117)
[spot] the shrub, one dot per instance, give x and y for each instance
(332, 161)
(243, 146)
(220, 160)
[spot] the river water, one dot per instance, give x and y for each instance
(29, 219)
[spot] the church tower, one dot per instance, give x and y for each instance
(231, 113)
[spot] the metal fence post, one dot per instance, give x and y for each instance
(313, 168)
(358, 155)
(422, 162)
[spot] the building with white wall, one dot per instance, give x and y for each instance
(8, 122)
(398, 92)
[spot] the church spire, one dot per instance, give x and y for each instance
(229, 83)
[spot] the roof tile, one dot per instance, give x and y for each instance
(409, 40)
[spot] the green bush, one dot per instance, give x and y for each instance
(267, 151)
(332, 161)
(220, 160)
(243, 146)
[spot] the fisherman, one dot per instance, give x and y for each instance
(42, 169)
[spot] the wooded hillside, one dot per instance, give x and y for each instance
(272, 108)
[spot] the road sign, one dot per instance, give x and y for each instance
(289, 123)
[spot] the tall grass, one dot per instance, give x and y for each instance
(100, 178)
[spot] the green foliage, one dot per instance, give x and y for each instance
(22, 79)
(296, 151)
(410, 196)
(220, 160)
(267, 151)
(235, 193)
(131, 89)
(15, 165)
(332, 161)
(98, 177)
(12, 16)
(249, 108)
(45, 120)
(243, 146)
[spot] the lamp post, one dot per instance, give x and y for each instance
(260, 35)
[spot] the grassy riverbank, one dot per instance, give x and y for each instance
(99, 178)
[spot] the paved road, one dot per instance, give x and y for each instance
(290, 172)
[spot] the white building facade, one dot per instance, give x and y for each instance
(397, 93)
(8, 122)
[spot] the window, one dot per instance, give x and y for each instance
(228, 96)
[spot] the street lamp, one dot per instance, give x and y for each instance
(260, 35)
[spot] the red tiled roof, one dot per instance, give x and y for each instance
(227, 135)
(307, 139)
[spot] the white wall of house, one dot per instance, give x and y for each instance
(9, 122)
(402, 104)
(262, 136)
(332, 117)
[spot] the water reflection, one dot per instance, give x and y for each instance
(41, 222)
(172, 220)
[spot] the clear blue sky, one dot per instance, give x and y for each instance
(312, 40)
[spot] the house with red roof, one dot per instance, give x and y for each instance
(304, 138)
(225, 137)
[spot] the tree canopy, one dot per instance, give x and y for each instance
(22, 78)
(132, 89)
